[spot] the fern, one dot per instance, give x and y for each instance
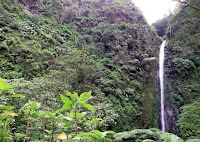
(138, 135)
(123, 135)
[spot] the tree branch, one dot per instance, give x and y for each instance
(187, 4)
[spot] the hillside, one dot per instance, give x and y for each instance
(82, 45)
(105, 54)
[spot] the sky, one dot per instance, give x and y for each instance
(154, 10)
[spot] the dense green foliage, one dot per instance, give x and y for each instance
(30, 43)
(182, 64)
(81, 45)
(6, 111)
(146, 135)
(189, 120)
(33, 121)
(104, 46)
(36, 122)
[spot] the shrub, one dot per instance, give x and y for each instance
(189, 120)
(183, 66)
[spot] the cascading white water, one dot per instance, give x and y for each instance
(161, 76)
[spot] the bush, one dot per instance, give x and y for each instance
(183, 67)
(189, 120)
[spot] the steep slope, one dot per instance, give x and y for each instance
(103, 46)
(182, 63)
(30, 43)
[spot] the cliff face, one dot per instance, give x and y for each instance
(182, 63)
(110, 11)
(104, 46)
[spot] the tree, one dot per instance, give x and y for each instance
(78, 70)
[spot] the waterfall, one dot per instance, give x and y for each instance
(161, 76)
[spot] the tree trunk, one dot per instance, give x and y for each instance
(31, 131)
(51, 138)
(43, 128)
(76, 124)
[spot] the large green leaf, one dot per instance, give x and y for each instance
(149, 140)
(86, 134)
(98, 133)
(7, 88)
(67, 124)
(89, 138)
(3, 117)
(94, 119)
(67, 107)
(74, 97)
(65, 100)
(85, 96)
(107, 140)
(88, 106)
(51, 115)
(78, 115)
(58, 110)
(108, 132)
(10, 113)
(15, 96)
(7, 107)
(2, 83)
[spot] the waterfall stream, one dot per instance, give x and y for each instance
(161, 76)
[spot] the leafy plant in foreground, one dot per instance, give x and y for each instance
(74, 103)
(31, 114)
(95, 136)
(7, 114)
(52, 119)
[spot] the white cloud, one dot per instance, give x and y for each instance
(155, 9)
